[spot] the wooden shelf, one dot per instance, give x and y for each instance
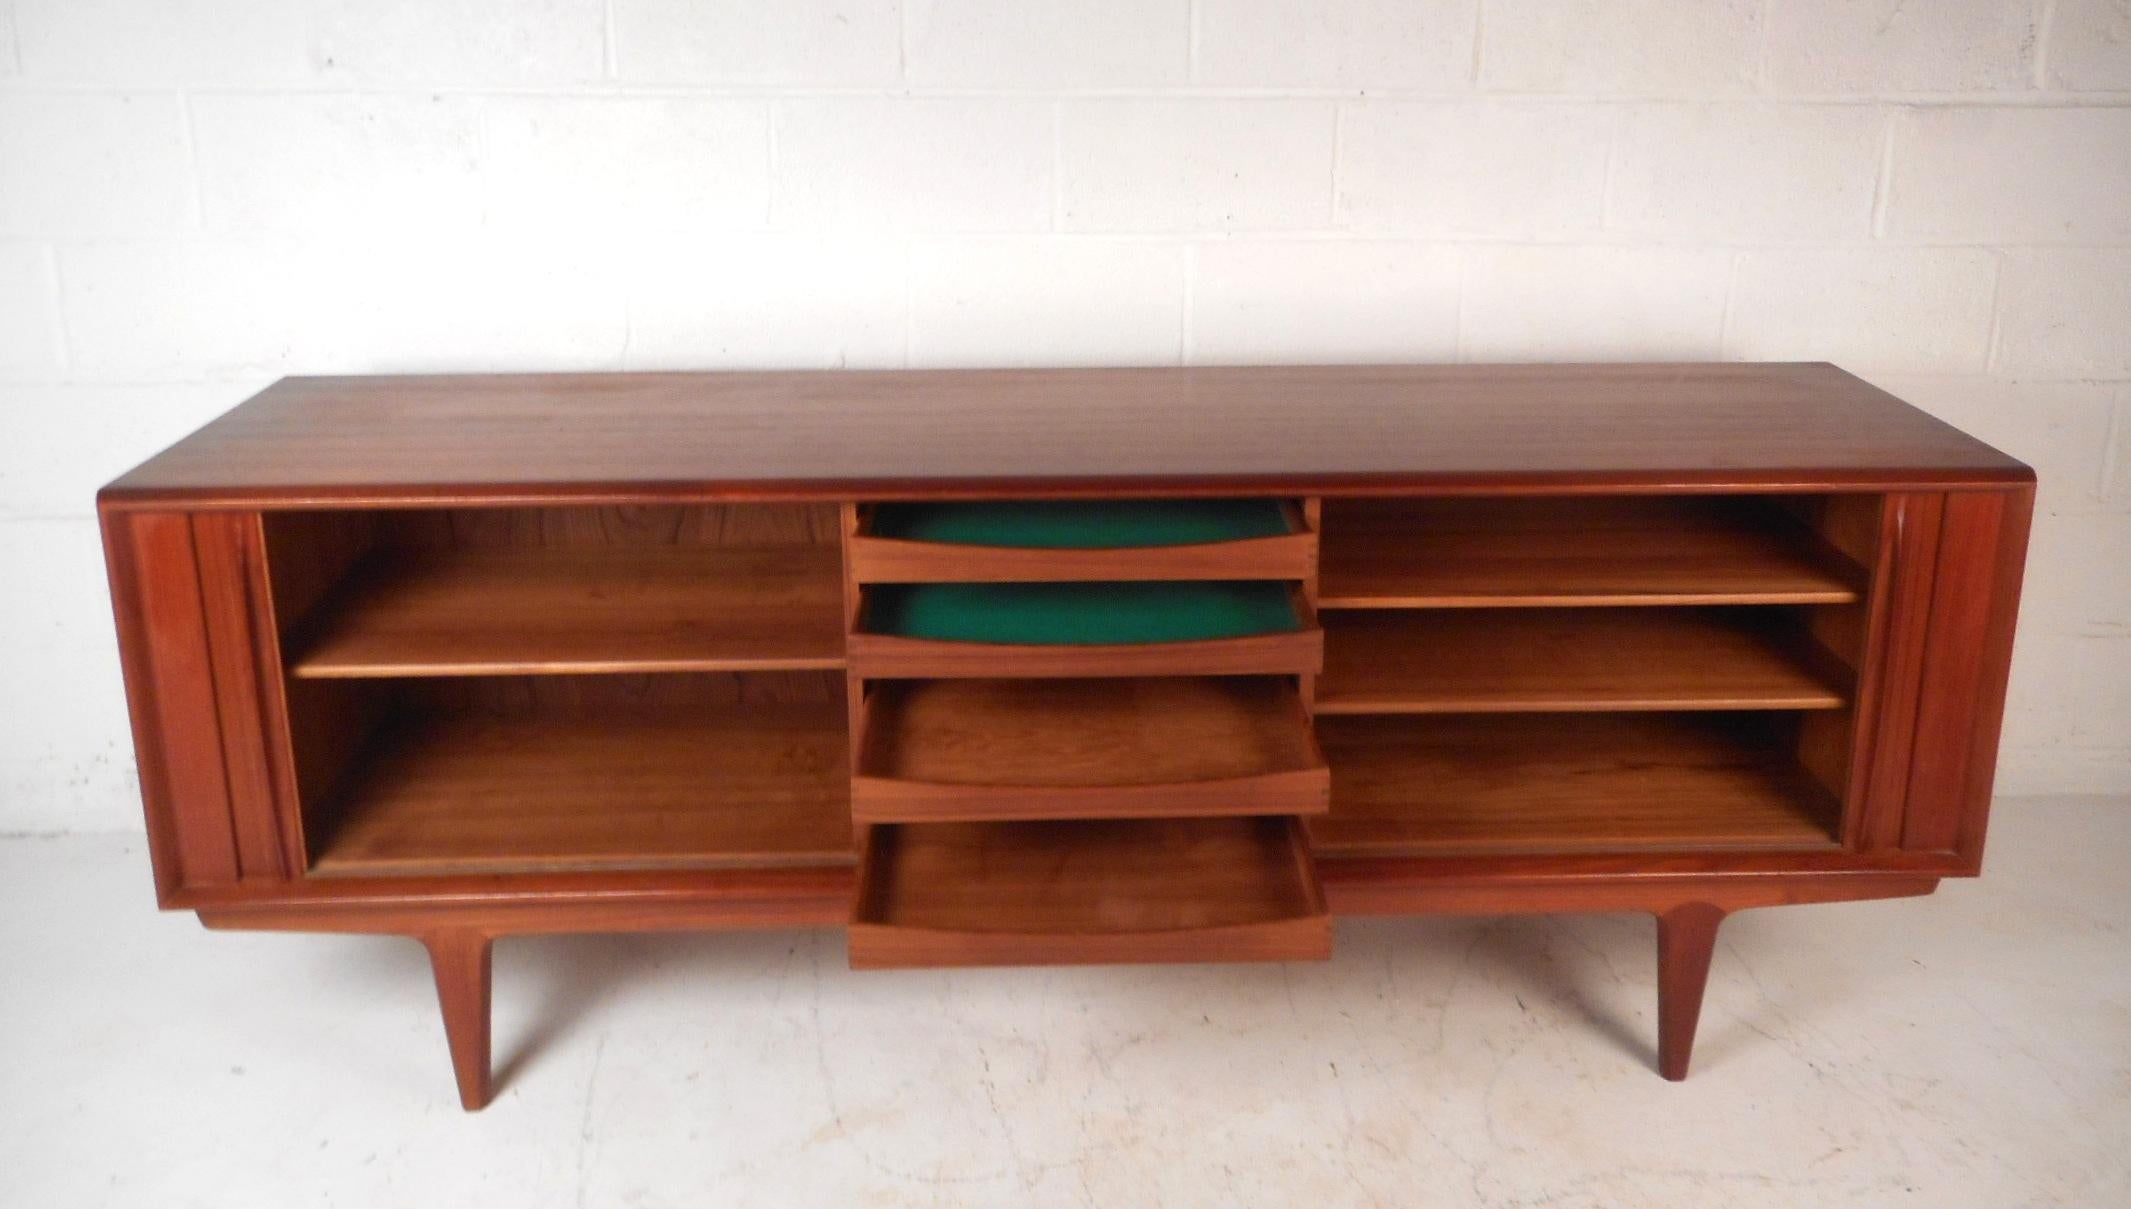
(1521, 660)
(1566, 783)
(1062, 624)
(1088, 892)
(1652, 550)
(754, 785)
(1066, 540)
(543, 611)
(937, 750)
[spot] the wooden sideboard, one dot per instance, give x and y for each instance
(1062, 665)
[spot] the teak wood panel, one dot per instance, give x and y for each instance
(1654, 550)
(487, 612)
(1975, 596)
(1563, 783)
(1466, 660)
(185, 592)
(1886, 741)
(1088, 891)
(876, 559)
(1296, 430)
(937, 750)
(533, 776)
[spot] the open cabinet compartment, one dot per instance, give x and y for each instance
(1550, 659)
(500, 591)
(537, 774)
(1568, 675)
(1048, 539)
(1111, 628)
(566, 688)
(1592, 550)
(1088, 892)
(1524, 784)
(1086, 748)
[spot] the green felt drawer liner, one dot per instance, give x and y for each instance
(1082, 524)
(1082, 613)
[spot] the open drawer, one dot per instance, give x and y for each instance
(1003, 540)
(964, 750)
(1088, 892)
(1109, 628)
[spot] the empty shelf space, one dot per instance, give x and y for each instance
(1576, 551)
(524, 611)
(1047, 893)
(1471, 660)
(1566, 783)
(1096, 748)
(1081, 540)
(1084, 629)
(755, 785)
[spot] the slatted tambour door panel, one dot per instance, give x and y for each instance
(1967, 649)
(196, 646)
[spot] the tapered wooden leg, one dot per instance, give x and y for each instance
(1686, 939)
(461, 962)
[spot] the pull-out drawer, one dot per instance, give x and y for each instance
(993, 540)
(941, 750)
(1110, 628)
(1088, 892)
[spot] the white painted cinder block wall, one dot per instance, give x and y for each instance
(197, 196)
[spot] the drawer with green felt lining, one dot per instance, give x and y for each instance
(1062, 540)
(1102, 628)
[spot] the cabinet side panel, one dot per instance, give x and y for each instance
(229, 550)
(170, 693)
(1967, 654)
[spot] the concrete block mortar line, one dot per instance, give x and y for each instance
(62, 349)
(1883, 183)
(2112, 454)
(770, 111)
(1339, 155)
(1462, 265)
(1186, 349)
(902, 42)
(2045, 18)
(1997, 318)
(1479, 28)
(1731, 293)
(1057, 167)
(1768, 9)
(1191, 41)
(609, 56)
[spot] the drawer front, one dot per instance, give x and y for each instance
(1057, 541)
(1088, 892)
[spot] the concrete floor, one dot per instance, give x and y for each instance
(1969, 1049)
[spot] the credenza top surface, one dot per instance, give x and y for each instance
(890, 433)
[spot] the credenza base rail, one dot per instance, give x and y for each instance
(1687, 909)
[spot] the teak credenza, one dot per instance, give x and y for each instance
(1062, 665)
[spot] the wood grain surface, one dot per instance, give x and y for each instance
(930, 433)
